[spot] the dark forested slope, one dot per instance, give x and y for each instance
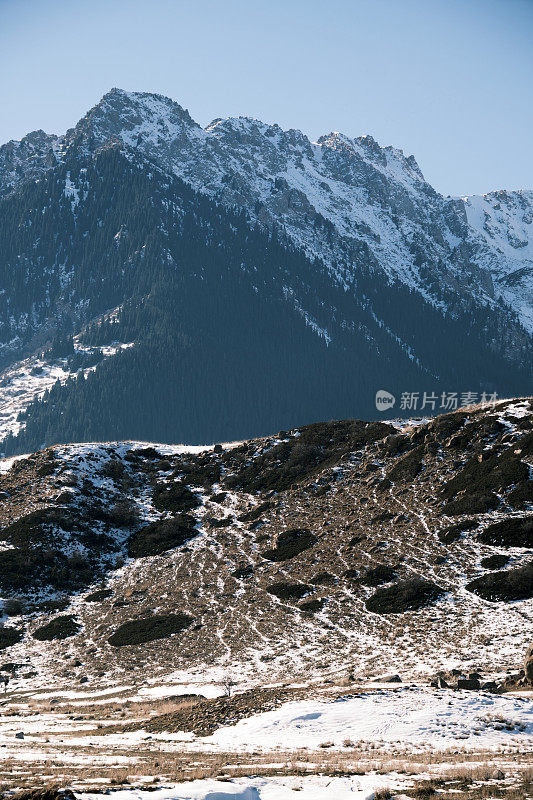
(235, 332)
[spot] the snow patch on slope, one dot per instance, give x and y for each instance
(28, 380)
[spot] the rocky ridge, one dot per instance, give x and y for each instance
(332, 549)
(342, 199)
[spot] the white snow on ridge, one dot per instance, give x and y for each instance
(505, 220)
(374, 197)
(369, 193)
(28, 380)
(502, 223)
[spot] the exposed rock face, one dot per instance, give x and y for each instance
(26, 159)
(371, 201)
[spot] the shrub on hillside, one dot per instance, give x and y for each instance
(9, 636)
(58, 628)
(174, 497)
(289, 591)
(140, 631)
(508, 585)
(290, 543)
(408, 595)
(160, 536)
(512, 532)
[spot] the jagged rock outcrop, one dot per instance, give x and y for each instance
(338, 197)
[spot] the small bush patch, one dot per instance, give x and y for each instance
(243, 572)
(9, 636)
(403, 596)
(290, 543)
(407, 467)
(255, 513)
(496, 561)
(495, 473)
(202, 472)
(175, 497)
(521, 494)
(312, 606)
(476, 503)
(385, 516)
(448, 424)
(289, 591)
(22, 570)
(160, 536)
(453, 532)
(36, 527)
(351, 574)
(525, 443)
(378, 575)
(223, 522)
(509, 585)
(512, 532)
(149, 453)
(98, 596)
(139, 631)
(123, 514)
(323, 579)
(58, 628)
(48, 606)
(113, 469)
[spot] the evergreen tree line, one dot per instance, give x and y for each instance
(221, 349)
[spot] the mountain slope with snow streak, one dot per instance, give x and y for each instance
(339, 197)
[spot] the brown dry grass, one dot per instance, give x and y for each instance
(445, 770)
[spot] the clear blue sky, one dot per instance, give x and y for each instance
(450, 81)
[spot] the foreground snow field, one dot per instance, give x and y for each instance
(311, 788)
(410, 717)
(361, 726)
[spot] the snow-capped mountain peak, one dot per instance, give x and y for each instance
(26, 158)
(374, 199)
(139, 119)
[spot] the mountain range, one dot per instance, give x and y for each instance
(206, 284)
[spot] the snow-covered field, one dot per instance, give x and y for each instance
(83, 712)
(329, 746)
(318, 787)
(410, 717)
